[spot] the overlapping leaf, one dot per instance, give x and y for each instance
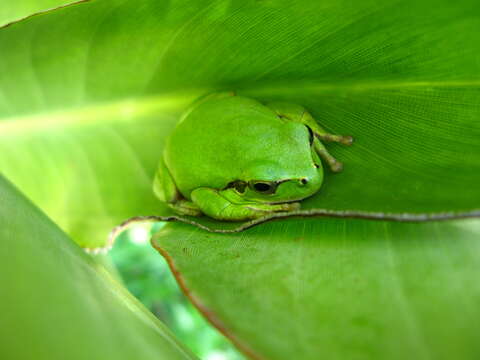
(57, 304)
(335, 288)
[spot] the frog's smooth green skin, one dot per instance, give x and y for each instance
(233, 158)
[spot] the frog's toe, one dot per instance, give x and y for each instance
(184, 207)
(347, 140)
(336, 166)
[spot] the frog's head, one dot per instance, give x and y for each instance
(283, 167)
(279, 183)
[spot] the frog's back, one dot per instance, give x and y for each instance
(219, 139)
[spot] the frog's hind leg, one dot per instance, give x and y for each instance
(166, 190)
(334, 164)
(299, 114)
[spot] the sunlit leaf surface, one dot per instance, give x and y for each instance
(58, 304)
(89, 92)
(13, 10)
(334, 288)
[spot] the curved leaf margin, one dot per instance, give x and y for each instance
(209, 225)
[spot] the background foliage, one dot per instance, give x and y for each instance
(149, 279)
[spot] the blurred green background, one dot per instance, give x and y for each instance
(146, 274)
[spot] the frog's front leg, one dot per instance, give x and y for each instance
(222, 205)
(334, 164)
(166, 190)
(299, 114)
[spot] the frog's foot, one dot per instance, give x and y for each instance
(212, 203)
(334, 164)
(185, 207)
(274, 207)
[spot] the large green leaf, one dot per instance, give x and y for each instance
(88, 93)
(334, 288)
(58, 304)
(13, 10)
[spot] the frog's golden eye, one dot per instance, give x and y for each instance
(263, 187)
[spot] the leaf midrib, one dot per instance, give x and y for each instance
(129, 109)
(123, 110)
(365, 86)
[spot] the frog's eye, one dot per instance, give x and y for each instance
(238, 185)
(263, 187)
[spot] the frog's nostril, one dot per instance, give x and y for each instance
(304, 181)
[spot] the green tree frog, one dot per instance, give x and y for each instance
(233, 158)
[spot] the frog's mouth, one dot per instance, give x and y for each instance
(289, 200)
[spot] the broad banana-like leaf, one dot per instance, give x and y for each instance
(335, 288)
(58, 304)
(89, 92)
